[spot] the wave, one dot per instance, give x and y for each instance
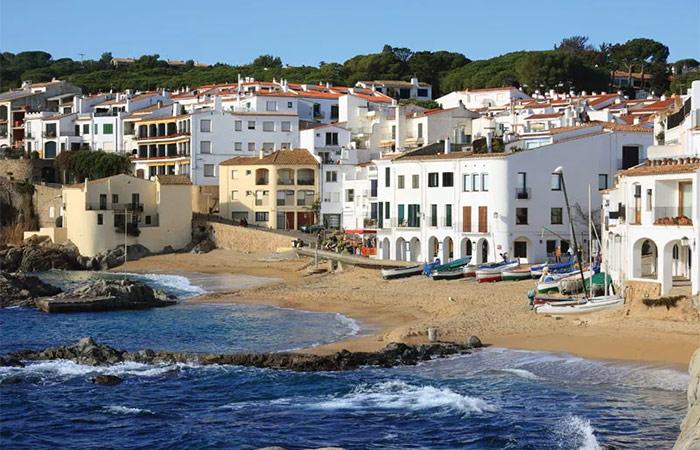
(522, 373)
(117, 409)
(403, 396)
(580, 429)
(65, 368)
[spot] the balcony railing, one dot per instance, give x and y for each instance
(285, 182)
(305, 182)
(49, 134)
(133, 207)
(262, 181)
(673, 215)
(412, 222)
(523, 193)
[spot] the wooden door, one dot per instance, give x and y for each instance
(305, 218)
(637, 210)
(483, 219)
(290, 220)
(685, 201)
(466, 219)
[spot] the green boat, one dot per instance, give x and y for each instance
(456, 264)
(516, 274)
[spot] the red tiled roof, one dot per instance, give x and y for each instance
(544, 116)
(664, 166)
(297, 156)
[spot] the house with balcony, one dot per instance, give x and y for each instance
(278, 189)
(440, 201)
(102, 214)
(400, 90)
(651, 215)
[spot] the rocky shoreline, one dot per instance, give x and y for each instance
(87, 352)
(689, 439)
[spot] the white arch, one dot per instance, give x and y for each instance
(401, 249)
(414, 247)
(433, 248)
(386, 248)
(482, 251)
(465, 248)
(448, 251)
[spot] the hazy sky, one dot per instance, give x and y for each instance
(235, 32)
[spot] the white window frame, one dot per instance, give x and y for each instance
(202, 146)
(203, 128)
(213, 170)
(268, 126)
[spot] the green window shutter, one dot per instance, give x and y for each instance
(401, 215)
(96, 129)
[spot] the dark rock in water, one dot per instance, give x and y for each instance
(13, 380)
(473, 342)
(31, 257)
(10, 362)
(107, 295)
(87, 352)
(106, 380)
(21, 290)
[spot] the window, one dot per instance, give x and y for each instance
(393, 132)
(551, 246)
(433, 179)
(556, 216)
(268, 126)
(467, 182)
(86, 128)
(433, 215)
(331, 176)
(115, 198)
(420, 131)
(238, 146)
(602, 181)
(251, 124)
(205, 125)
(237, 216)
(268, 146)
(520, 249)
(205, 146)
(556, 182)
(209, 170)
(521, 216)
(238, 125)
(107, 128)
(331, 138)
(448, 179)
(251, 147)
(387, 177)
(648, 199)
(100, 219)
(248, 172)
(148, 220)
(234, 174)
(448, 215)
(350, 195)
(400, 182)
(387, 210)
(234, 195)
(262, 216)
(415, 181)
(475, 182)
(287, 126)
(401, 214)
(373, 185)
(290, 105)
(287, 145)
(95, 129)
(271, 106)
(484, 182)
(422, 92)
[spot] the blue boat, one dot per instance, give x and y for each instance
(536, 271)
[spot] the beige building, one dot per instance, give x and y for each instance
(276, 190)
(102, 214)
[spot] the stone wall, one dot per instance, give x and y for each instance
(205, 199)
(45, 198)
(233, 237)
(639, 290)
(26, 169)
(689, 439)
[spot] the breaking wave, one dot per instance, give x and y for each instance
(581, 431)
(117, 409)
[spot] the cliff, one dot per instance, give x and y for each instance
(689, 438)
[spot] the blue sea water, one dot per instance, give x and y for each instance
(490, 399)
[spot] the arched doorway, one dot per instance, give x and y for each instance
(645, 259)
(482, 255)
(466, 248)
(414, 247)
(50, 150)
(448, 251)
(48, 174)
(433, 249)
(386, 249)
(401, 249)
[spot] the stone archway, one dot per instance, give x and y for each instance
(414, 249)
(465, 248)
(401, 249)
(448, 251)
(386, 248)
(645, 259)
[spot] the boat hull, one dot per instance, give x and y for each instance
(393, 274)
(469, 271)
(488, 277)
(448, 275)
(515, 275)
(591, 306)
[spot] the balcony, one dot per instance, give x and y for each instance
(49, 134)
(673, 215)
(411, 222)
(523, 193)
(133, 207)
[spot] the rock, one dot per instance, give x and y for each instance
(13, 380)
(107, 380)
(167, 250)
(11, 258)
(21, 290)
(68, 244)
(10, 362)
(36, 240)
(137, 251)
(689, 438)
(473, 342)
(42, 258)
(205, 246)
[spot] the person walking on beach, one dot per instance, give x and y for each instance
(557, 254)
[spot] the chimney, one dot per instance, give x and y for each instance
(262, 153)
(414, 81)
(448, 147)
(460, 104)
(217, 103)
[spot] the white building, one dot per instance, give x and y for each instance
(652, 219)
(402, 90)
(479, 98)
(435, 202)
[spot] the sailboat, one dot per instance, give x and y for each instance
(586, 304)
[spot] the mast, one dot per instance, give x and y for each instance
(560, 171)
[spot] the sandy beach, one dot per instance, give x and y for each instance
(402, 310)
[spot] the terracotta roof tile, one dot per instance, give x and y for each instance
(298, 156)
(173, 179)
(664, 167)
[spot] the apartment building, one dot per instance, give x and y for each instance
(440, 202)
(651, 215)
(276, 189)
(401, 90)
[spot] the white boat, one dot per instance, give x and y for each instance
(402, 272)
(583, 306)
(469, 270)
(550, 282)
(492, 272)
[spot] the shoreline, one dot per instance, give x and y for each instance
(402, 310)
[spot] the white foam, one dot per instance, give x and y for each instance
(403, 396)
(117, 409)
(65, 368)
(352, 324)
(581, 430)
(522, 373)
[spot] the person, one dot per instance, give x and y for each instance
(244, 222)
(557, 254)
(570, 251)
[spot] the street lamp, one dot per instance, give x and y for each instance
(560, 170)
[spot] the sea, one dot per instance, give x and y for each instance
(493, 398)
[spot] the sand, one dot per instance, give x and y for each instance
(402, 310)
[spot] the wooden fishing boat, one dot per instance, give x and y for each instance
(536, 271)
(550, 282)
(456, 264)
(470, 270)
(453, 274)
(492, 272)
(583, 306)
(402, 272)
(515, 274)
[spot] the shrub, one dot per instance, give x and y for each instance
(668, 302)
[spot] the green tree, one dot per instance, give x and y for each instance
(575, 44)
(83, 164)
(647, 52)
(267, 61)
(682, 66)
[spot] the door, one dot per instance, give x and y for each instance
(305, 218)
(50, 150)
(484, 251)
(290, 220)
(103, 201)
(467, 219)
(685, 199)
(483, 219)
(135, 200)
(630, 156)
(381, 215)
(637, 204)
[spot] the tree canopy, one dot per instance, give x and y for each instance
(93, 165)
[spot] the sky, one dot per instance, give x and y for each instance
(305, 33)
